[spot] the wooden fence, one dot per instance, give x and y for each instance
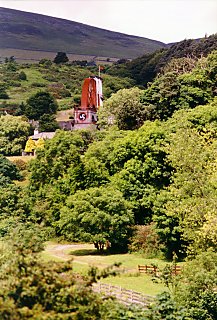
(147, 269)
(154, 270)
(123, 295)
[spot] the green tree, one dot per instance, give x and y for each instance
(183, 209)
(172, 90)
(193, 295)
(135, 163)
(165, 308)
(61, 57)
(55, 159)
(47, 122)
(112, 84)
(98, 215)
(196, 287)
(14, 208)
(59, 171)
(39, 104)
(33, 289)
(45, 63)
(14, 132)
(8, 171)
(123, 109)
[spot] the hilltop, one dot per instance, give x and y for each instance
(35, 32)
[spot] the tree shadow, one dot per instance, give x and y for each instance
(89, 252)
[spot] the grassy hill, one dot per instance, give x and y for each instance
(39, 33)
(64, 82)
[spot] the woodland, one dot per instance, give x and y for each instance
(145, 182)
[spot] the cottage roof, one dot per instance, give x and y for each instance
(44, 135)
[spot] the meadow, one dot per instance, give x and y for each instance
(85, 256)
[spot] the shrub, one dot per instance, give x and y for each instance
(145, 239)
(22, 76)
(38, 85)
(21, 165)
(3, 94)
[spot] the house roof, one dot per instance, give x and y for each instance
(44, 135)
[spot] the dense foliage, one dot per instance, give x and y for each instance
(146, 166)
(145, 68)
(8, 171)
(146, 181)
(31, 289)
(14, 132)
(176, 90)
(39, 104)
(123, 109)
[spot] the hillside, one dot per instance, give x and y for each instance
(35, 32)
(63, 81)
(145, 68)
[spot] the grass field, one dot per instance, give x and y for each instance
(31, 56)
(64, 115)
(84, 256)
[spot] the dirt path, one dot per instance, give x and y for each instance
(62, 251)
(65, 252)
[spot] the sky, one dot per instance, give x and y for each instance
(162, 20)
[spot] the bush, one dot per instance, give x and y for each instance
(21, 165)
(14, 83)
(3, 94)
(77, 98)
(38, 85)
(22, 76)
(145, 239)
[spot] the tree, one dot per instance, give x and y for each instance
(33, 289)
(135, 163)
(45, 63)
(14, 208)
(196, 288)
(14, 132)
(124, 108)
(30, 146)
(57, 172)
(10, 59)
(52, 162)
(8, 171)
(185, 208)
(192, 294)
(61, 57)
(98, 215)
(47, 122)
(165, 308)
(40, 143)
(112, 84)
(39, 104)
(173, 90)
